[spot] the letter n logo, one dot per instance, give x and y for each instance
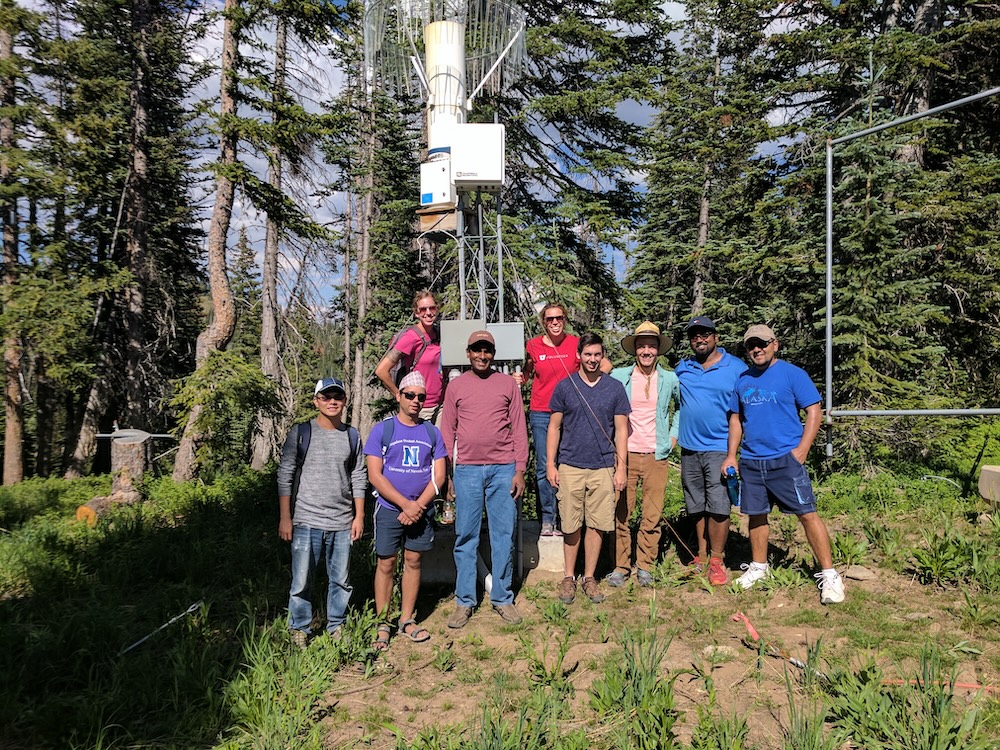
(411, 455)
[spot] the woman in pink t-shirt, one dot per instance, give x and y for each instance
(427, 336)
(550, 358)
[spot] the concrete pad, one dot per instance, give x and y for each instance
(989, 484)
(537, 552)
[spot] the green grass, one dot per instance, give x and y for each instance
(580, 676)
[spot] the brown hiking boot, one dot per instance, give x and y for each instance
(593, 590)
(567, 590)
(459, 617)
(508, 612)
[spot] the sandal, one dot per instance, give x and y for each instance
(382, 634)
(418, 635)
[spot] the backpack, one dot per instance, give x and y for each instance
(402, 366)
(302, 438)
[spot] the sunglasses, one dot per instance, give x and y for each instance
(428, 308)
(757, 344)
(331, 396)
(409, 395)
(554, 318)
(697, 335)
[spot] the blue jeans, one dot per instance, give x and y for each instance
(539, 421)
(309, 547)
(477, 487)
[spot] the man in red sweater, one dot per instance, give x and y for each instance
(487, 439)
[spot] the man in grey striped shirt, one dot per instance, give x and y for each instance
(321, 498)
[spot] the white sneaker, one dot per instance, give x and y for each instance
(831, 587)
(754, 572)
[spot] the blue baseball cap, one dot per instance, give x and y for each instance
(329, 384)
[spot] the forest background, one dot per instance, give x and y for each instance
(176, 261)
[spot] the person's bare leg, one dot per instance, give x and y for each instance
(819, 539)
(385, 570)
(592, 542)
(410, 586)
(701, 535)
(718, 534)
(571, 548)
(759, 532)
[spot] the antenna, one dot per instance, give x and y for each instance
(441, 50)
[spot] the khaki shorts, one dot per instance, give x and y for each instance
(586, 496)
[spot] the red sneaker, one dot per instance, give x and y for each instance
(717, 575)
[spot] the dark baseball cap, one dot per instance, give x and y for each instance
(700, 321)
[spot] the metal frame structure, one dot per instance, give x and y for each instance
(831, 412)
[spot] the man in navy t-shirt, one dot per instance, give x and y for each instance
(588, 432)
(764, 416)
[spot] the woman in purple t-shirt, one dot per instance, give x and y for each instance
(419, 347)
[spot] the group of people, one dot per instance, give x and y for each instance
(602, 437)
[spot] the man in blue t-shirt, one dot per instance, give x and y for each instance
(588, 432)
(707, 380)
(406, 468)
(764, 416)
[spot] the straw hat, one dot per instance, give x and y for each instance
(647, 329)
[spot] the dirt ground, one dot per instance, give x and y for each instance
(448, 680)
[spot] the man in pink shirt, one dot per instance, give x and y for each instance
(654, 394)
(486, 437)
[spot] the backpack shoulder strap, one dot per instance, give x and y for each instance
(354, 440)
(388, 426)
(431, 434)
(303, 436)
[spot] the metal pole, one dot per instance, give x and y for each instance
(830, 411)
(499, 263)
(463, 313)
(918, 115)
(829, 295)
(484, 311)
(915, 412)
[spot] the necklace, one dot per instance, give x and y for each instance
(648, 377)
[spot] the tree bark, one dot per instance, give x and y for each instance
(220, 330)
(266, 440)
(361, 415)
(704, 215)
(13, 453)
(136, 223)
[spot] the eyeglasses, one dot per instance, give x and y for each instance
(420, 397)
(698, 335)
(427, 308)
(331, 396)
(554, 318)
(757, 344)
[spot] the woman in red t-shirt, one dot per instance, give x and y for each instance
(550, 358)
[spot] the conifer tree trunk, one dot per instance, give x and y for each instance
(219, 331)
(137, 216)
(361, 415)
(704, 213)
(13, 460)
(266, 440)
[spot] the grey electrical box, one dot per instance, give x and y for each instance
(455, 336)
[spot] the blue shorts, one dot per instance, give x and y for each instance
(781, 481)
(390, 534)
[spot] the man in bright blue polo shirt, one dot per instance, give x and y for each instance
(707, 381)
(764, 417)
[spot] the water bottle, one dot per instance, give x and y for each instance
(448, 512)
(733, 485)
